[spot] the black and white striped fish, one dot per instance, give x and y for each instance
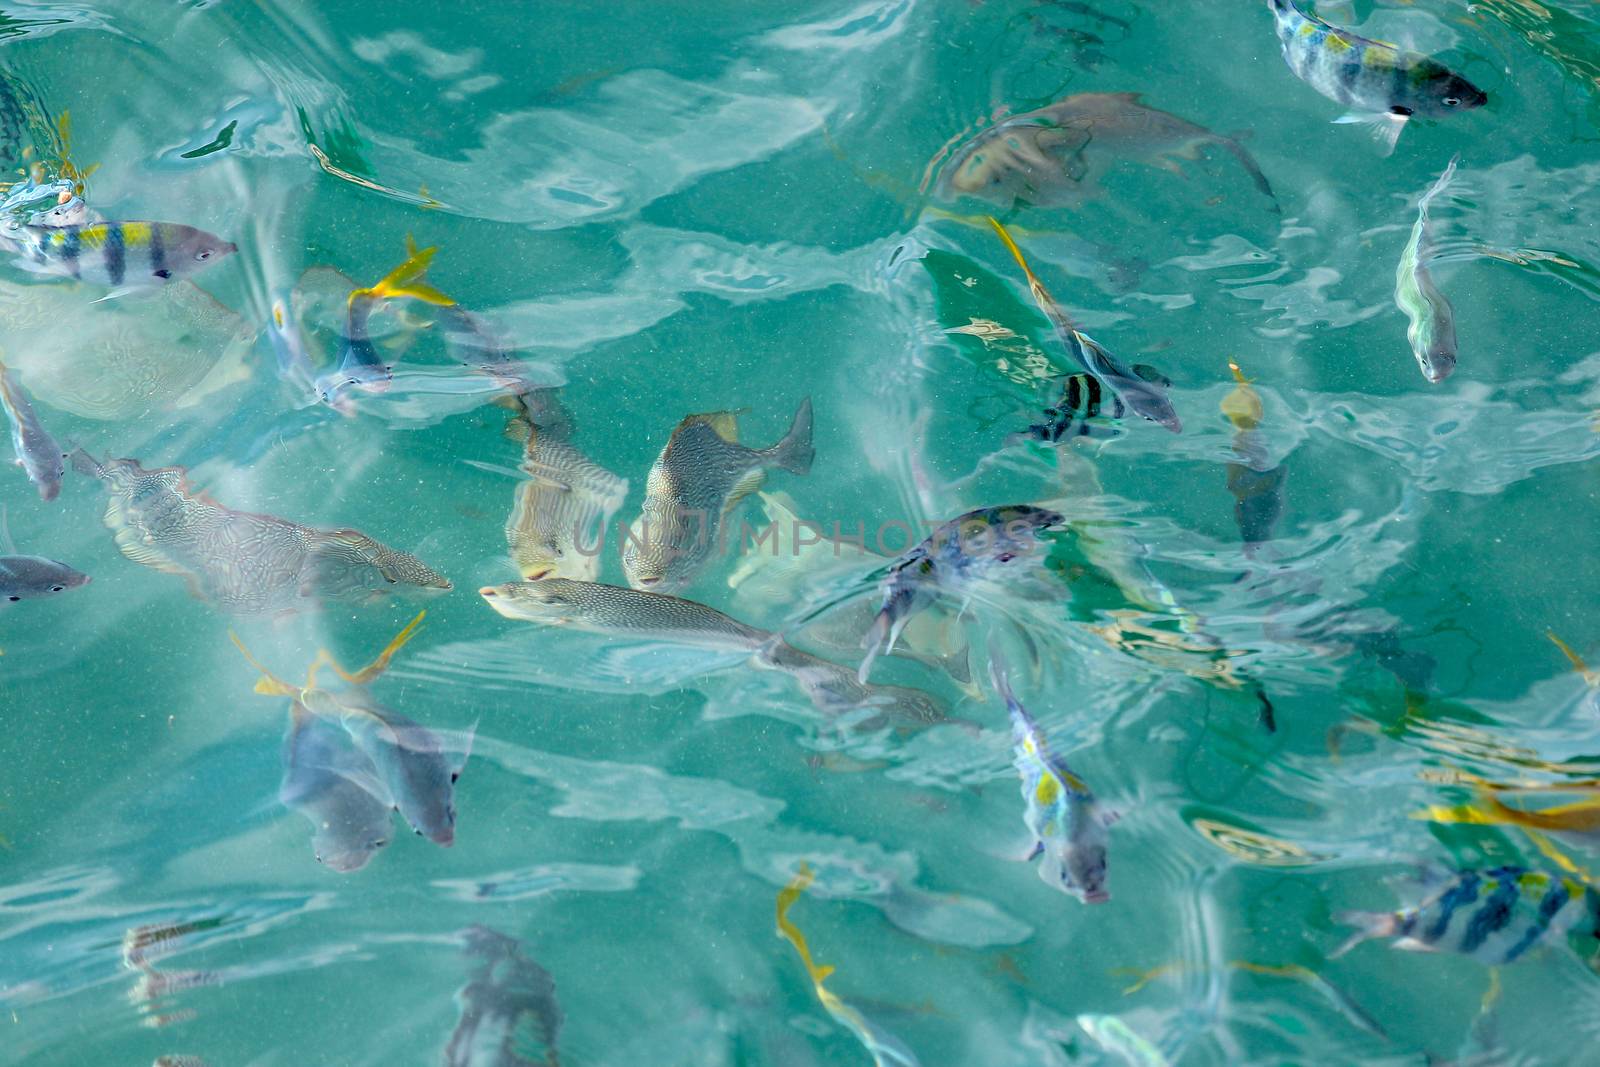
(126, 256)
(1083, 398)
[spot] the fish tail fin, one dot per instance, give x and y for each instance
(1384, 128)
(1566, 650)
(268, 684)
(1369, 926)
(1248, 162)
(381, 663)
(794, 453)
(408, 279)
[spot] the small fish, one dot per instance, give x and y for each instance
(619, 611)
(179, 1061)
(1255, 483)
(1068, 825)
(699, 478)
(1432, 329)
(1495, 916)
(1148, 399)
(1117, 1038)
(1382, 84)
(1056, 156)
(32, 577)
(561, 513)
(509, 1013)
(127, 256)
(37, 452)
(1578, 821)
(337, 789)
(360, 363)
(969, 548)
(1083, 398)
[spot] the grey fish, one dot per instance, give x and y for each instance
(242, 562)
(701, 475)
(1056, 155)
(1383, 85)
(1431, 325)
(969, 548)
(32, 577)
(560, 515)
(337, 789)
(509, 1013)
(37, 452)
(123, 255)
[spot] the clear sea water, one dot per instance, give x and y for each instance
(683, 208)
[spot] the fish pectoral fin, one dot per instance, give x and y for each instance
(1034, 853)
(1383, 127)
(748, 483)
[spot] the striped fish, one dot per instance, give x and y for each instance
(1382, 84)
(1432, 329)
(1495, 916)
(510, 1016)
(37, 452)
(126, 256)
(559, 519)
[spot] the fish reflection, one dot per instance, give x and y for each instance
(1254, 481)
(560, 514)
(336, 789)
(1432, 329)
(886, 1049)
(36, 451)
(1057, 155)
(699, 478)
(125, 256)
(360, 363)
(141, 947)
(243, 563)
(509, 1013)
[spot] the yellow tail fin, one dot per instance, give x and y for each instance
(786, 898)
(408, 279)
(269, 684)
(1590, 676)
(379, 665)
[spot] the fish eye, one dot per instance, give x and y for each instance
(163, 273)
(1452, 101)
(57, 588)
(204, 253)
(418, 833)
(13, 599)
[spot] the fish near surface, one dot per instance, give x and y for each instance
(33, 577)
(37, 452)
(701, 476)
(1069, 827)
(509, 1013)
(360, 362)
(1382, 85)
(1255, 483)
(1431, 325)
(1055, 156)
(977, 546)
(560, 515)
(1495, 916)
(337, 790)
(242, 562)
(126, 256)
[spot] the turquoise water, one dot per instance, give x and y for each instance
(672, 209)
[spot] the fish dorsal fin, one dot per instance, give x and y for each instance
(725, 424)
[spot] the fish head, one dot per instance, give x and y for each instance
(647, 561)
(1083, 871)
(428, 803)
(190, 250)
(548, 600)
(34, 577)
(1441, 91)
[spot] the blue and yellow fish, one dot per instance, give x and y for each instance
(123, 255)
(360, 363)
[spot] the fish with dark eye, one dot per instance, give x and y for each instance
(1382, 84)
(337, 789)
(1495, 916)
(34, 577)
(983, 544)
(699, 478)
(125, 256)
(1057, 155)
(1070, 828)
(1431, 321)
(37, 452)
(510, 1016)
(1146, 396)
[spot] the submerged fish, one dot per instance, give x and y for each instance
(1254, 481)
(242, 562)
(1069, 827)
(1578, 821)
(973, 547)
(1382, 85)
(1147, 398)
(360, 363)
(31, 577)
(1495, 916)
(337, 789)
(886, 1049)
(509, 1013)
(560, 514)
(1432, 329)
(699, 478)
(1057, 154)
(126, 256)
(37, 452)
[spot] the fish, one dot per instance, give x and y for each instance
(1119, 1039)
(32, 577)
(886, 1049)
(1432, 325)
(336, 789)
(126, 256)
(1495, 916)
(1382, 84)
(241, 562)
(972, 547)
(1148, 399)
(360, 363)
(1056, 155)
(1254, 482)
(700, 477)
(510, 1016)
(1578, 821)
(1069, 826)
(560, 515)
(37, 452)
(179, 1061)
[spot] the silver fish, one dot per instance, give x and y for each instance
(32, 577)
(123, 255)
(37, 452)
(701, 475)
(337, 789)
(1432, 323)
(1382, 84)
(560, 515)
(509, 1013)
